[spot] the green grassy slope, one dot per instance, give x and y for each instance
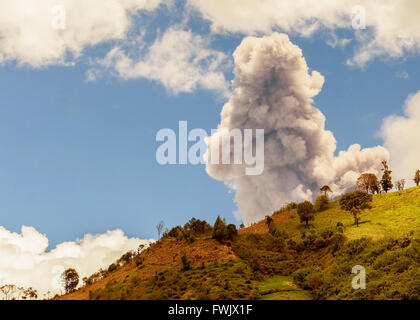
(393, 214)
(282, 288)
(296, 263)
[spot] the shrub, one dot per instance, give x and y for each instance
(197, 227)
(321, 203)
(275, 231)
(186, 263)
(173, 233)
(112, 267)
(268, 220)
(231, 232)
(309, 278)
(219, 229)
(305, 212)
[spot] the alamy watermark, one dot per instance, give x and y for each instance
(359, 280)
(358, 17)
(59, 16)
(236, 147)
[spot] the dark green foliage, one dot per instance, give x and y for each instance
(271, 255)
(321, 203)
(219, 229)
(180, 234)
(386, 181)
(231, 232)
(305, 211)
(309, 278)
(392, 270)
(198, 227)
(173, 233)
(195, 228)
(356, 201)
(222, 232)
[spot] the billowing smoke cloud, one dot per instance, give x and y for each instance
(25, 262)
(273, 90)
(28, 32)
(402, 138)
(392, 27)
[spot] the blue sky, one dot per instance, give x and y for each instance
(78, 157)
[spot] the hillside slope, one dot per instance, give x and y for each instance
(162, 255)
(257, 264)
(394, 214)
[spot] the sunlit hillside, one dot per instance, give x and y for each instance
(292, 262)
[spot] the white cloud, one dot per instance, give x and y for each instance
(178, 59)
(24, 260)
(27, 35)
(273, 90)
(393, 27)
(402, 137)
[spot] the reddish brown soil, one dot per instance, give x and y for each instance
(261, 227)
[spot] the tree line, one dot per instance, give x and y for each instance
(13, 292)
(370, 183)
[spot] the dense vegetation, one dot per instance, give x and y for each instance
(392, 270)
(233, 280)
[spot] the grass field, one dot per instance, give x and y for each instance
(393, 214)
(282, 288)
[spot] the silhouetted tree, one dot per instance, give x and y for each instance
(29, 293)
(268, 220)
(325, 189)
(219, 229)
(355, 202)
(8, 290)
(12, 292)
(70, 280)
(417, 178)
(386, 181)
(186, 263)
(400, 184)
(305, 211)
(197, 227)
(159, 228)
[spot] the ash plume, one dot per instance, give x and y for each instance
(273, 90)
